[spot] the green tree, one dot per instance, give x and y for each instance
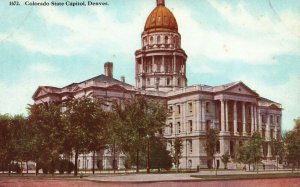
(212, 137)
(47, 141)
(292, 144)
(159, 156)
(80, 125)
(21, 143)
(5, 136)
(136, 118)
(178, 147)
(225, 159)
(250, 151)
(277, 148)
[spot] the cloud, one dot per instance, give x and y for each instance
(16, 97)
(248, 40)
(43, 68)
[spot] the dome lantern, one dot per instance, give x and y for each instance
(160, 2)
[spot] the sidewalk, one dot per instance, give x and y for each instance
(155, 177)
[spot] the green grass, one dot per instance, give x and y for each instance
(245, 176)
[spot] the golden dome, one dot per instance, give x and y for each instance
(161, 19)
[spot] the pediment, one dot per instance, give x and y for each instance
(40, 92)
(273, 106)
(240, 88)
(116, 87)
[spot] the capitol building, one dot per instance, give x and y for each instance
(160, 73)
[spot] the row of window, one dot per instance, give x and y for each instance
(189, 146)
(160, 40)
(190, 127)
(190, 108)
(272, 120)
(178, 127)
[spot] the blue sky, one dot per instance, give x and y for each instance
(257, 42)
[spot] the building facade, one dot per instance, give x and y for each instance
(234, 108)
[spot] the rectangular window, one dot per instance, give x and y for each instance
(190, 146)
(178, 128)
(178, 109)
(271, 119)
(278, 119)
(191, 126)
(263, 119)
(207, 107)
(190, 107)
(171, 128)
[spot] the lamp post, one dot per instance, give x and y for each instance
(148, 154)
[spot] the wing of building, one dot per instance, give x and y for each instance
(234, 108)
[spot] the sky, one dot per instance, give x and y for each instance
(253, 41)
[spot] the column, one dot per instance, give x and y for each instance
(197, 122)
(163, 64)
(143, 65)
(226, 116)
(244, 120)
(153, 65)
(222, 117)
(259, 123)
(275, 129)
(269, 154)
(174, 71)
(255, 118)
(184, 129)
(252, 118)
(268, 130)
(235, 125)
(173, 119)
(174, 63)
(202, 114)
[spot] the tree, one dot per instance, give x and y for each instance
(4, 141)
(212, 137)
(292, 144)
(225, 159)
(159, 156)
(277, 148)
(178, 146)
(250, 151)
(135, 118)
(21, 142)
(45, 120)
(80, 121)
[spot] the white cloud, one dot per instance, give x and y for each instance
(249, 40)
(16, 97)
(43, 68)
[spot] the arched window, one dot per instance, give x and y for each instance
(166, 39)
(151, 40)
(158, 39)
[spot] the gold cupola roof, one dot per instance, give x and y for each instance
(161, 19)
